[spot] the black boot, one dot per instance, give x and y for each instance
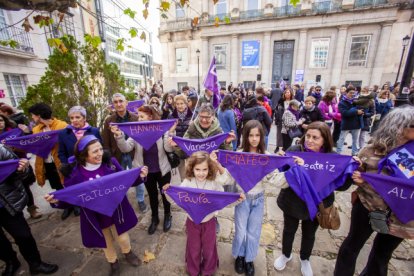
(239, 265)
(76, 211)
(249, 269)
(115, 269)
(43, 268)
(66, 213)
(167, 222)
(154, 223)
(11, 267)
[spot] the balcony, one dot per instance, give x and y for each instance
(176, 25)
(251, 14)
(286, 10)
(369, 3)
(326, 6)
(19, 35)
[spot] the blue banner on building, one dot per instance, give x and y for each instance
(250, 53)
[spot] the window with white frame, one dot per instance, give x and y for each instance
(319, 53)
(181, 60)
(221, 7)
(4, 34)
(220, 54)
(16, 87)
(179, 11)
(358, 54)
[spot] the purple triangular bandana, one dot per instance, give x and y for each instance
(397, 192)
(146, 133)
(189, 146)
(400, 161)
(198, 203)
(134, 105)
(11, 134)
(249, 168)
(102, 195)
(327, 172)
(40, 143)
(7, 168)
(210, 82)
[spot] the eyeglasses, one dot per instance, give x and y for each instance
(205, 118)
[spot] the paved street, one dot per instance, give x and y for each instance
(60, 242)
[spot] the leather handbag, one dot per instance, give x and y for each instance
(173, 158)
(328, 218)
(295, 132)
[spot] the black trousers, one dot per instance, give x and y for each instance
(290, 227)
(359, 232)
(30, 199)
(18, 228)
(53, 176)
(154, 182)
(336, 131)
(286, 141)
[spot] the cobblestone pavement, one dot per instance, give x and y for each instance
(60, 242)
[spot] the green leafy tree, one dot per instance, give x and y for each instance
(79, 76)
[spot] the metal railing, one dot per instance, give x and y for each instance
(326, 6)
(286, 10)
(251, 14)
(24, 43)
(369, 3)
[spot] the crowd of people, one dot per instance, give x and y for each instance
(306, 121)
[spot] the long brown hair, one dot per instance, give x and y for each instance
(325, 133)
(198, 158)
(245, 136)
(150, 110)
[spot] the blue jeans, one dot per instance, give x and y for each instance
(126, 163)
(248, 217)
(355, 137)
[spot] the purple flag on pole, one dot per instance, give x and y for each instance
(398, 193)
(146, 133)
(210, 82)
(189, 146)
(134, 105)
(249, 168)
(198, 203)
(40, 143)
(327, 172)
(11, 134)
(400, 161)
(102, 195)
(7, 168)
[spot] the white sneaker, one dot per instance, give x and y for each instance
(305, 268)
(280, 263)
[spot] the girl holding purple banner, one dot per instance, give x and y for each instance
(201, 250)
(395, 130)
(97, 229)
(157, 161)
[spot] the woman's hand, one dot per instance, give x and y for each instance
(24, 128)
(171, 142)
(299, 160)
(172, 129)
(115, 130)
(281, 152)
(144, 172)
(356, 158)
(241, 198)
(165, 187)
(49, 198)
(357, 178)
(231, 137)
(23, 164)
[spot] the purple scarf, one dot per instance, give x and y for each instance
(146, 133)
(294, 112)
(102, 195)
(346, 99)
(249, 168)
(7, 168)
(11, 134)
(198, 203)
(400, 161)
(189, 146)
(40, 143)
(398, 193)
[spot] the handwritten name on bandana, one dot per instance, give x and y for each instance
(102, 195)
(198, 203)
(400, 161)
(11, 134)
(398, 193)
(7, 168)
(327, 172)
(40, 143)
(249, 168)
(146, 133)
(189, 146)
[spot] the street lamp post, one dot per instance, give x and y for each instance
(198, 70)
(144, 59)
(405, 40)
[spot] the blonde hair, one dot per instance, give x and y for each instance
(180, 97)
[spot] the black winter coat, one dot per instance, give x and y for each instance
(182, 125)
(260, 114)
(311, 116)
(13, 195)
(350, 118)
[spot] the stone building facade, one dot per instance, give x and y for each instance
(263, 41)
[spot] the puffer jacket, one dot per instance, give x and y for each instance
(13, 195)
